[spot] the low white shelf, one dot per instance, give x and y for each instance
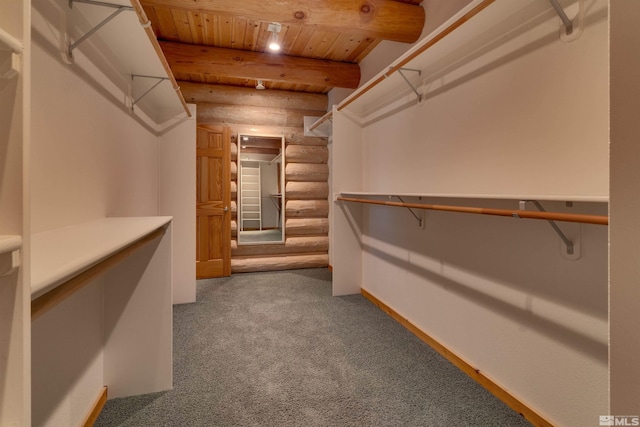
(60, 254)
(132, 256)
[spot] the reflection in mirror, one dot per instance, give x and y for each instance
(260, 189)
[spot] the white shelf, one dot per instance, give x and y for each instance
(10, 243)
(119, 49)
(388, 92)
(60, 254)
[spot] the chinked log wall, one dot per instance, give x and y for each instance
(306, 170)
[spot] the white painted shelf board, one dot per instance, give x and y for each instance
(60, 254)
(546, 197)
(126, 46)
(482, 32)
(10, 243)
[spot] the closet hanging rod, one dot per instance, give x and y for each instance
(438, 37)
(516, 213)
(11, 42)
(320, 121)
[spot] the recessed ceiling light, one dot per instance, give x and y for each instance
(274, 39)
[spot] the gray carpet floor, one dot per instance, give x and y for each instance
(276, 349)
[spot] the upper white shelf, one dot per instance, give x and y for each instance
(123, 46)
(479, 27)
(60, 254)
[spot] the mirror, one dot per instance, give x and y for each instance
(260, 189)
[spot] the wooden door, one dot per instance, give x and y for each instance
(213, 202)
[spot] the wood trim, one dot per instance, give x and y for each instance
(226, 182)
(516, 213)
(92, 416)
(510, 400)
(146, 24)
(321, 120)
(45, 302)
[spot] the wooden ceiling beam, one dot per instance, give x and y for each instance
(379, 19)
(234, 95)
(207, 60)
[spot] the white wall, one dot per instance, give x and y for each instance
(177, 198)
(624, 229)
(525, 115)
(89, 159)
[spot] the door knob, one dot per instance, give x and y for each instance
(226, 209)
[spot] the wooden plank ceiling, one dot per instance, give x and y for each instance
(224, 42)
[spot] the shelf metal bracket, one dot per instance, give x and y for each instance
(160, 80)
(413, 88)
(119, 9)
(568, 243)
(418, 217)
(568, 23)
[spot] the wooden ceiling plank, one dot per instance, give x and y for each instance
(224, 30)
(209, 29)
(196, 21)
(363, 49)
(209, 60)
(301, 40)
(238, 33)
(250, 41)
(327, 45)
(383, 19)
(183, 27)
(166, 24)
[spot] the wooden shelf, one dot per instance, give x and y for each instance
(59, 255)
(389, 92)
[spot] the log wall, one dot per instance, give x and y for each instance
(306, 171)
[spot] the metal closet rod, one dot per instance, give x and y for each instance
(517, 213)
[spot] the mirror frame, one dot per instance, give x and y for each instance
(239, 184)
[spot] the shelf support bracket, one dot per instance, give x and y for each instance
(568, 24)
(413, 88)
(419, 218)
(160, 80)
(119, 9)
(568, 243)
